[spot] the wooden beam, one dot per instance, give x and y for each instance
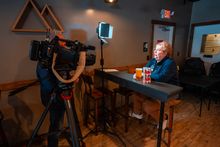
(15, 85)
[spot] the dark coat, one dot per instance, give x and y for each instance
(164, 71)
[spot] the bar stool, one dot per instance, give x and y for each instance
(126, 93)
(169, 107)
(172, 104)
(95, 95)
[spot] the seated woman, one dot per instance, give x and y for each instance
(164, 69)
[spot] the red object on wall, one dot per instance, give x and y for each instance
(167, 14)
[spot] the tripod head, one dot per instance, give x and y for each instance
(65, 74)
(65, 78)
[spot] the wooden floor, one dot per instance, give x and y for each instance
(189, 130)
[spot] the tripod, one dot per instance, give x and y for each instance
(76, 138)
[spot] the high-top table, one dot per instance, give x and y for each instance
(203, 83)
(156, 90)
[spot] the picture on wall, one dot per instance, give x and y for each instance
(210, 44)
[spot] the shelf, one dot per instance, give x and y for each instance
(50, 18)
(46, 18)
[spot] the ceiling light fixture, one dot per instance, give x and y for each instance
(111, 1)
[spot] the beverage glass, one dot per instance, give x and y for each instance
(138, 72)
(146, 74)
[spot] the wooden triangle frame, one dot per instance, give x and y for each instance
(51, 19)
(46, 16)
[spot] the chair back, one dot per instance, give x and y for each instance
(193, 66)
(215, 70)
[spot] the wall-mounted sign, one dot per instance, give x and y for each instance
(145, 47)
(166, 13)
(210, 44)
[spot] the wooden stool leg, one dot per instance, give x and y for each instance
(126, 112)
(113, 108)
(86, 111)
(96, 114)
(171, 111)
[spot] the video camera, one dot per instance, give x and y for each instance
(67, 57)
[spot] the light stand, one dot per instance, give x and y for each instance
(102, 41)
(104, 115)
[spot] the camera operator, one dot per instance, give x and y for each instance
(49, 79)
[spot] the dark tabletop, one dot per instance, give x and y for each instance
(157, 90)
(199, 81)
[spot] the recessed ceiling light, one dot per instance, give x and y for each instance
(111, 1)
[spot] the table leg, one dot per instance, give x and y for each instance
(159, 135)
(126, 112)
(201, 101)
(171, 111)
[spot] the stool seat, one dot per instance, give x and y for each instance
(123, 91)
(174, 102)
(105, 90)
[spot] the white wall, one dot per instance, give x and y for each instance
(161, 34)
(197, 42)
(204, 11)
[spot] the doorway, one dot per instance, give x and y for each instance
(163, 31)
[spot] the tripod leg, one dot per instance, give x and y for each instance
(77, 123)
(39, 123)
(77, 126)
(72, 125)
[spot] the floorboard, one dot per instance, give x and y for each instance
(189, 129)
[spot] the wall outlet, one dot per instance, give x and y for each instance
(145, 47)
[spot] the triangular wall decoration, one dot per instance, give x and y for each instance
(46, 17)
(51, 19)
